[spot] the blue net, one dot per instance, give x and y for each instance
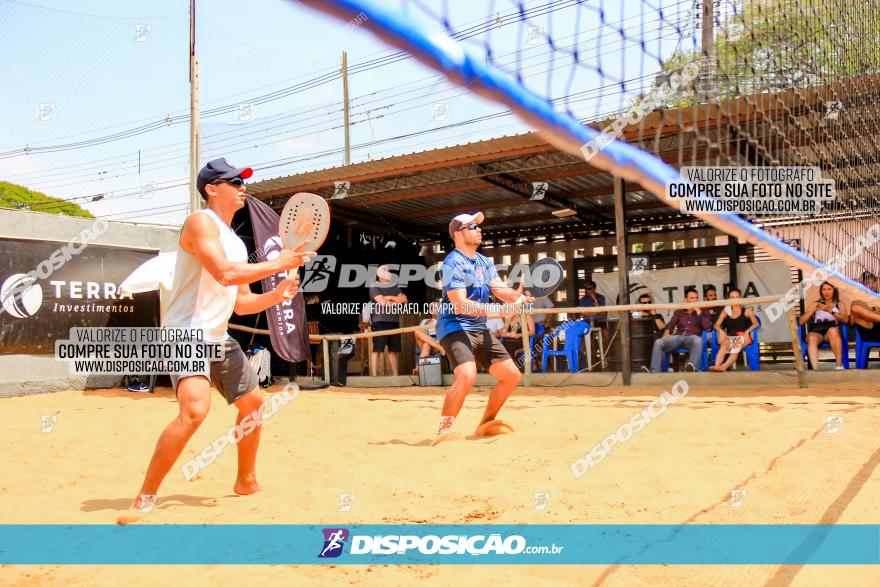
(757, 83)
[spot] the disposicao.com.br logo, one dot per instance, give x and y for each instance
(334, 540)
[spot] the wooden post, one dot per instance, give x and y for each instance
(325, 347)
(527, 348)
(796, 348)
(622, 278)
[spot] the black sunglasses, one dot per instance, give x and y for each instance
(471, 226)
(236, 181)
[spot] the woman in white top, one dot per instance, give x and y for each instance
(821, 318)
(511, 333)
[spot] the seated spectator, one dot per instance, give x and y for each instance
(541, 304)
(591, 299)
(822, 318)
(659, 324)
(734, 326)
(511, 333)
(866, 318)
(685, 329)
(495, 325)
(710, 294)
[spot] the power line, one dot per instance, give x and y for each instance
(521, 14)
(215, 139)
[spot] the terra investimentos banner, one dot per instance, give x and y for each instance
(42, 300)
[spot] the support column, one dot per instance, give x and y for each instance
(622, 277)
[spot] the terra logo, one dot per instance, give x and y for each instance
(21, 295)
(334, 541)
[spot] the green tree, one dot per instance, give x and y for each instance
(19, 197)
(766, 46)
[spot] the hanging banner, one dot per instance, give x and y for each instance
(288, 331)
(40, 307)
(667, 286)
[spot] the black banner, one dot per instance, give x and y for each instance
(288, 330)
(80, 290)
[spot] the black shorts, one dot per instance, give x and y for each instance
(465, 346)
(823, 327)
(392, 341)
(869, 334)
(233, 376)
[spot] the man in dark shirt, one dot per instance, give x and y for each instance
(710, 294)
(684, 329)
(659, 325)
(385, 316)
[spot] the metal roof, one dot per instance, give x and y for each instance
(416, 194)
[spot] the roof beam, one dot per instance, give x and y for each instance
(412, 169)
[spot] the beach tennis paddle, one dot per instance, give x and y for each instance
(544, 277)
(305, 217)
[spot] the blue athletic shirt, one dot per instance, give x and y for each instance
(461, 272)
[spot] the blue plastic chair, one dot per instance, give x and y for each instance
(825, 345)
(704, 359)
(574, 332)
(752, 352)
(539, 333)
(863, 349)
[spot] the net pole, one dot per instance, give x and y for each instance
(527, 347)
(622, 277)
(796, 348)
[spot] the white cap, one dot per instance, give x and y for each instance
(463, 219)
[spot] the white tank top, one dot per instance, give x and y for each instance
(197, 300)
(823, 316)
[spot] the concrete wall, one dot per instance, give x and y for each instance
(27, 374)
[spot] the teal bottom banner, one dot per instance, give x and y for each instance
(440, 544)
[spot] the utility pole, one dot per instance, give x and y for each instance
(707, 82)
(345, 106)
(195, 200)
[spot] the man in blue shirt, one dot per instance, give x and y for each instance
(592, 299)
(468, 278)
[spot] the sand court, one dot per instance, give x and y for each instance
(772, 447)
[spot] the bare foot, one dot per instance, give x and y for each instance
(143, 504)
(246, 486)
(493, 428)
(716, 369)
(126, 519)
(444, 437)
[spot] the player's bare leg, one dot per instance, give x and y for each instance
(246, 481)
(465, 375)
(508, 378)
(194, 397)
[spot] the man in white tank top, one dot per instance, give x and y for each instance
(210, 282)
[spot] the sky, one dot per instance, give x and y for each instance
(94, 94)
